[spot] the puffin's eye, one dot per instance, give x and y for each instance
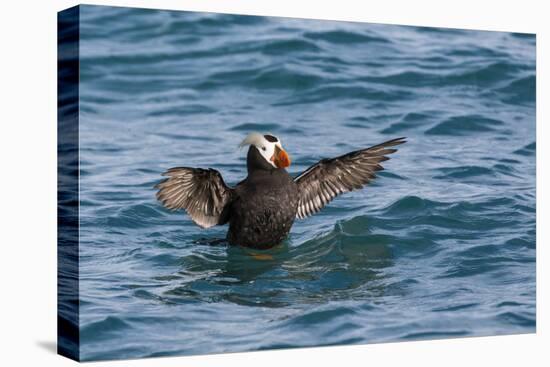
(263, 148)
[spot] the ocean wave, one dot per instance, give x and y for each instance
(464, 172)
(411, 120)
(528, 150)
(465, 125)
(287, 46)
(490, 75)
(185, 110)
(104, 329)
(473, 51)
(340, 92)
(247, 127)
(344, 37)
(434, 334)
(519, 319)
(264, 78)
(520, 90)
(408, 79)
(133, 216)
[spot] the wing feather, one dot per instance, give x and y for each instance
(201, 192)
(321, 183)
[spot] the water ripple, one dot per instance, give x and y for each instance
(465, 125)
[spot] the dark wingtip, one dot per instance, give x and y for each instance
(390, 143)
(397, 141)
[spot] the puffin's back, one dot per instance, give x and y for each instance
(265, 205)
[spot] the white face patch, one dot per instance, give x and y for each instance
(264, 146)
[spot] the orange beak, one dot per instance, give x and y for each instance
(280, 158)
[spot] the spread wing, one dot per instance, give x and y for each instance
(201, 192)
(328, 178)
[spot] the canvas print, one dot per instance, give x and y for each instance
(232, 183)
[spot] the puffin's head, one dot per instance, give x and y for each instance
(269, 147)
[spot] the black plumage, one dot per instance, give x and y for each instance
(261, 209)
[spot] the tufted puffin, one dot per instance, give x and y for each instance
(261, 208)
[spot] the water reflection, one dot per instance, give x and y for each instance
(342, 264)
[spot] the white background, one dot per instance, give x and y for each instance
(28, 182)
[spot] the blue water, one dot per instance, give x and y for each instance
(441, 245)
